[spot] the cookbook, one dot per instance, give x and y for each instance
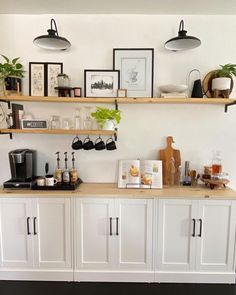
(140, 174)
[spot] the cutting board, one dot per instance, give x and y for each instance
(171, 163)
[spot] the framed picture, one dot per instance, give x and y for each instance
(136, 67)
(101, 83)
(52, 70)
(37, 79)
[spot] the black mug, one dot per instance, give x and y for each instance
(88, 144)
(77, 144)
(99, 144)
(110, 144)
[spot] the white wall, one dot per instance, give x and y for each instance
(197, 129)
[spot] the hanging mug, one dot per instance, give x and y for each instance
(77, 144)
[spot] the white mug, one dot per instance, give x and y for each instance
(50, 180)
(40, 181)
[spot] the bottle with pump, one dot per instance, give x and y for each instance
(66, 173)
(73, 170)
(58, 170)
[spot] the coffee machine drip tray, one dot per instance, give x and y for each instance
(11, 184)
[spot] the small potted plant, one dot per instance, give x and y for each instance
(11, 73)
(107, 118)
(223, 77)
(63, 80)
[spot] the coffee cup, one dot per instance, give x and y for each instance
(99, 144)
(50, 180)
(110, 144)
(77, 143)
(88, 144)
(40, 181)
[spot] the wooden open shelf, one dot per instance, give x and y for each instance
(125, 100)
(57, 131)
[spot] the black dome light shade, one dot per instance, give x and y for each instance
(52, 41)
(182, 41)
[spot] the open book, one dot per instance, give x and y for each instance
(140, 174)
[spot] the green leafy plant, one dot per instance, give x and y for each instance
(11, 68)
(104, 114)
(227, 70)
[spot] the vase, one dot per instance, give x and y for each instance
(223, 83)
(109, 125)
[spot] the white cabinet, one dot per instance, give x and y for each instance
(36, 234)
(195, 236)
(113, 235)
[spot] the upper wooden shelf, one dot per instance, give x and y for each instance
(128, 100)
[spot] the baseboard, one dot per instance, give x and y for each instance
(195, 277)
(36, 275)
(113, 276)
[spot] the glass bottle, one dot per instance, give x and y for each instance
(55, 122)
(66, 173)
(88, 122)
(216, 163)
(73, 170)
(78, 119)
(58, 170)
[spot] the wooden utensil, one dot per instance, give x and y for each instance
(171, 163)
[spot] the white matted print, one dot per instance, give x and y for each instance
(101, 83)
(136, 70)
(53, 69)
(36, 79)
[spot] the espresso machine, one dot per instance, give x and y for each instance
(23, 168)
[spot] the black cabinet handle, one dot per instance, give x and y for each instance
(194, 227)
(110, 226)
(35, 233)
(28, 230)
(200, 231)
(117, 226)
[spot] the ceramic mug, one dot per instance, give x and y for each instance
(77, 143)
(88, 144)
(40, 181)
(110, 144)
(50, 180)
(99, 144)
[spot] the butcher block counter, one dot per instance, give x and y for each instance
(111, 190)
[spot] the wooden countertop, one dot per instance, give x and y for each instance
(111, 190)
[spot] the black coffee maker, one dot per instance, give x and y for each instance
(23, 167)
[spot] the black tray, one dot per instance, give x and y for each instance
(58, 186)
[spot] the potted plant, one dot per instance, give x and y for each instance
(11, 72)
(223, 77)
(107, 118)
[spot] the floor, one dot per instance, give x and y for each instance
(63, 288)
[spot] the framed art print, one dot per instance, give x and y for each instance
(52, 70)
(37, 79)
(136, 67)
(101, 83)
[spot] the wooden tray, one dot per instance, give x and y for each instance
(215, 183)
(58, 186)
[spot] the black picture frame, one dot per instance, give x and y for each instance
(94, 85)
(136, 67)
(42, 79)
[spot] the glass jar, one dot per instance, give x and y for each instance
(216, 163)
(55, 122)
(63, 80)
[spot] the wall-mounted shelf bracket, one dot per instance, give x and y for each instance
(116, 104)
(6, 101)
(115, 134)
(228, 105)
(4, 133)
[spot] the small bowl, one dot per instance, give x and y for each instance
(173, 88)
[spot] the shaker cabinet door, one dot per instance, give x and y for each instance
(216, 235)
(16, 233)
(94, 226)
(175, 234)
(133, 234)
(53, 232)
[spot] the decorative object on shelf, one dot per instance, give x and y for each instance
(52, 41)
(182, 41)
(34, 124)
(77, 91)
(207, 87)
(107, 118)
(63, 80)
(55, 122)
(17, 109)
(11, 73)
(173, 91)
(223, 79)
(136, 67)
(101, 83)
(64, 91)
(197, 85)
(43, 78)
(122, 93)
(171, 162)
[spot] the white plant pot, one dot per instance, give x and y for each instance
(109, 125)
(221, 83)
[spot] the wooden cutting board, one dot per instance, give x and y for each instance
(171, 163)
